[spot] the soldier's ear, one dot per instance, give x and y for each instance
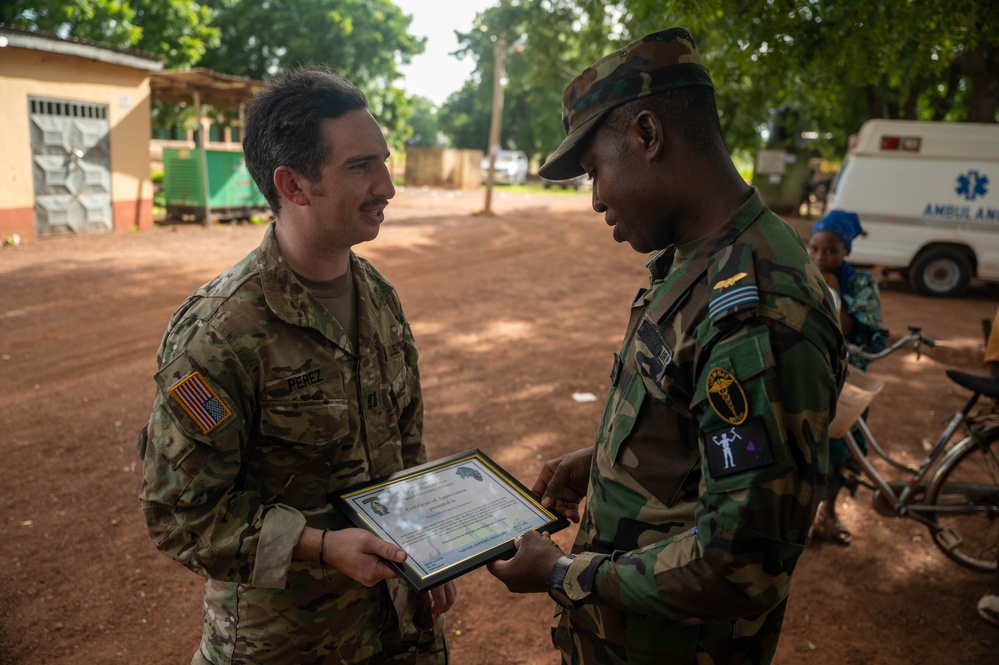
(290, 185)
(649, 133)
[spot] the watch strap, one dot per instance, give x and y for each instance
(556, 580)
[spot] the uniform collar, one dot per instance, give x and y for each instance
(291, 302)
(659, 262)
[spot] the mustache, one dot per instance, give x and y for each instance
(375, 202)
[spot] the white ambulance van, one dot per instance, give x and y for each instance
(927, 194)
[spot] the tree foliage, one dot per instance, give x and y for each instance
(832, 64)
(365, 40)
(424, 123)
(178, 30)
(820, 65)
(792, 65)
(533, 74)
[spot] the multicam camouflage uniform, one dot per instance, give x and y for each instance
(711, 455)
(263, 408)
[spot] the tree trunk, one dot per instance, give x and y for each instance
(981, 67)
(892, 105)
(873, 102)
(915, 90)
(946, 103)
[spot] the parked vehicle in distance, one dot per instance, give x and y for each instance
(577, 183)
(510, 168)
(925, 194)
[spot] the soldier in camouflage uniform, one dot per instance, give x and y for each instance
(290, 376)
(711, 454)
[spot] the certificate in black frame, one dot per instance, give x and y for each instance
(472, 465)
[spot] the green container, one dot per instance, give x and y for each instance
(232, 194)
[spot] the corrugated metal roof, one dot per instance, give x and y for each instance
(219, 90)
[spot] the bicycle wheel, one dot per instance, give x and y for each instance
(966, 499)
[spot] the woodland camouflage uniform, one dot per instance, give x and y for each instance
(686, 555)
(712, 451)
(291, 412)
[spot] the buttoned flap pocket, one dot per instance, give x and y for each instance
(628, 403)
(398, 374)
(741, 433)
(305, 451)
(304, 424)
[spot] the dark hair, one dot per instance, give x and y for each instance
(284, 125)
(690, 110)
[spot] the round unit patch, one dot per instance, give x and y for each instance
(727, 397)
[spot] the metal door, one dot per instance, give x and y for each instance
(71, 166)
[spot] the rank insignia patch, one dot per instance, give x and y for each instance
(726, 396)
(733, 449)
(725, 283)
(200, 402)
(732, 275)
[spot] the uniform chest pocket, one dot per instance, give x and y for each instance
(304, 450)
(398, 380)
(656, 444)
(305, 424)
(628, 403)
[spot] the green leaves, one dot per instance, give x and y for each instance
(828, 65)
(365, 40)
(179, 30)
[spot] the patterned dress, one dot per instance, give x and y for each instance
(861, 301)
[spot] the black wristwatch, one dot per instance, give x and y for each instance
(556, 579)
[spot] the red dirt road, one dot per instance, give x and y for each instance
(512, 315)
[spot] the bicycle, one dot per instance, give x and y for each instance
(955, 490)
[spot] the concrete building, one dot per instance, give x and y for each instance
(443, 167)
(74, 132)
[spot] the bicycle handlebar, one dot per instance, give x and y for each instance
(915, 337)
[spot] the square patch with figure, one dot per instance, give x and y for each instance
(738, 448)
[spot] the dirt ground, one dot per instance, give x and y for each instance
(513, 314)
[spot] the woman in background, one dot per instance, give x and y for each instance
(856, 293)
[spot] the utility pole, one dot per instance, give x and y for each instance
(499, 71)
(200, 139)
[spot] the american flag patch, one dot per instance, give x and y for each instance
(200, 402)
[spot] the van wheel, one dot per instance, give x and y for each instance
(941, 272)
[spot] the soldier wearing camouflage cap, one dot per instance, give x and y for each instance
(711, 453)
(288, 377)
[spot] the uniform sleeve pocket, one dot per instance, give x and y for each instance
(722, 389)
(198, 403)
(742, 438)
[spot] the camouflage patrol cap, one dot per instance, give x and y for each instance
(661, 61)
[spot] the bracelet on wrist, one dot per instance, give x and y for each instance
(322, 560)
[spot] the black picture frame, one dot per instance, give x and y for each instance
(357, 504)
